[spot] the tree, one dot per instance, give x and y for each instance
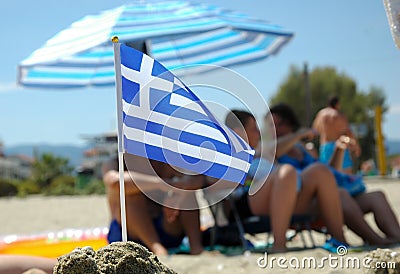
(47, 167)
(325, 81)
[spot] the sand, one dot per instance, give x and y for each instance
(38, 215)
(118, 257)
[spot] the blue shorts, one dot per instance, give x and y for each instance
(168, 241)
(298, 183)
(326, 152)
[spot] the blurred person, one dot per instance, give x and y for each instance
(158, 227)
(331, 123)
(355, 200)
(284, 191)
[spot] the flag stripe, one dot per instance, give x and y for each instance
(184, 136)
(212, 169)
(184, 102)
(185, 149)
(174, 122)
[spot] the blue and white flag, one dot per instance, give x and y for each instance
(165, 121)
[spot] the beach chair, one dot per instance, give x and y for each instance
(234, 233)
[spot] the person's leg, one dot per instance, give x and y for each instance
(319, 182)
(190, 220)
(277, 198)
(354, 219)
(140, 224)
(187, 220)
(385, 218)
(16, 264)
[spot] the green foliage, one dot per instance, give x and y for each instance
(47, 167)
(28, 187)
(66, 185)
(95, 186)
(7, 188)
(51, 175)
(61, 185)
(326, 81)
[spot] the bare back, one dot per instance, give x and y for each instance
(331, 124)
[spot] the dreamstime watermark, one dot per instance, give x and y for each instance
(340, 260)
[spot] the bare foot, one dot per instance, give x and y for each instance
(279, 249)
(159, 250)
(196, 250)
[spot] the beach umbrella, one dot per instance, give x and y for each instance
(178, 34)
(392, 8)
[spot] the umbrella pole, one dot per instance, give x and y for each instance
(117, 64)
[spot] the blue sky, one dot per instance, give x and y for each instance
(353, 36)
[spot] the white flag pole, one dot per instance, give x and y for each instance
(117, 65)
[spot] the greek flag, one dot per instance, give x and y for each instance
(165, 121)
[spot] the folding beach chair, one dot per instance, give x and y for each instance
(253, 225)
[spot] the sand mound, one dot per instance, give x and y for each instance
(118, 257)
(383, 261)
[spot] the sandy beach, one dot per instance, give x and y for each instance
(38, 215)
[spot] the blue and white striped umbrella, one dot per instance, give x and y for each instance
(178, 34)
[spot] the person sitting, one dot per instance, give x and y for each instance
(355, 201)
(155, 226)
(331, 123)
(284, 191)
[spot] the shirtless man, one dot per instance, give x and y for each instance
(331, 124)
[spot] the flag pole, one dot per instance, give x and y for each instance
(117, 65)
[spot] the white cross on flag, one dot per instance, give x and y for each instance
(165, 121)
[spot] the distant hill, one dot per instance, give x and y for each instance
(393, 147)
(73, 152)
